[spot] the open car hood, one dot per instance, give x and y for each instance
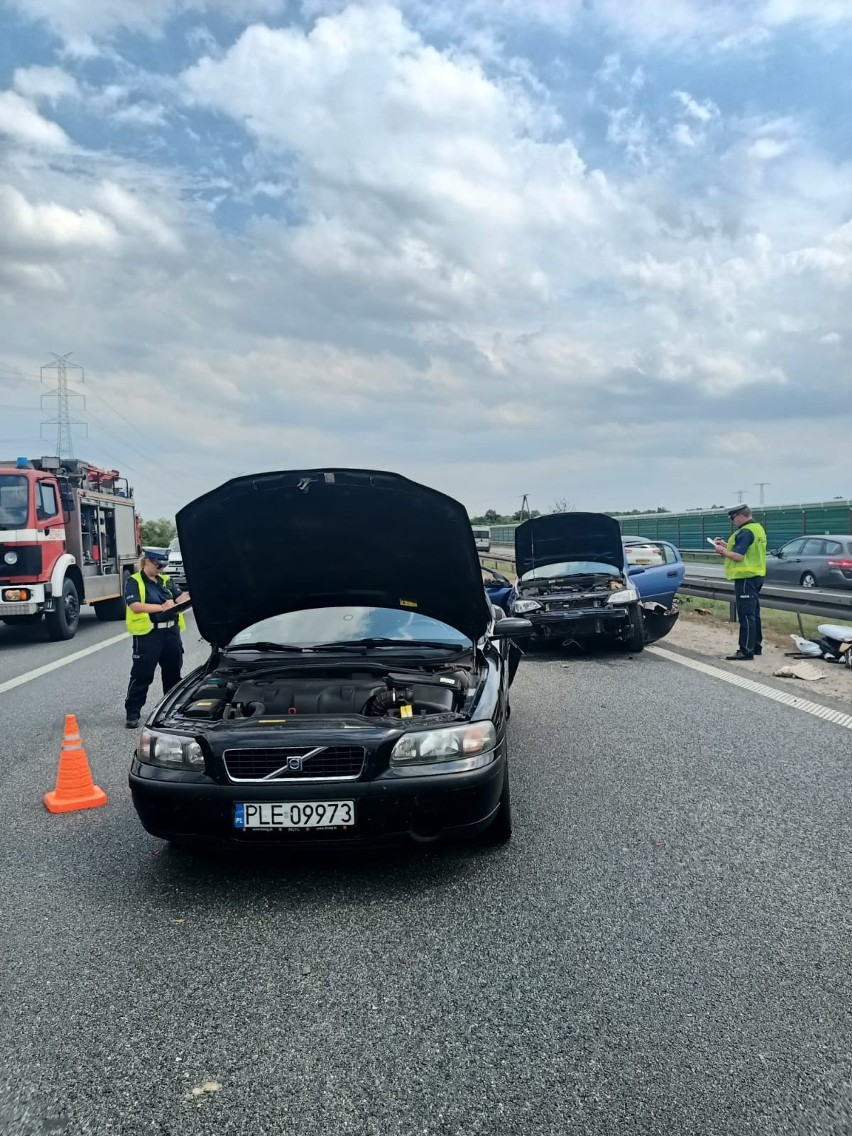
(568, 536)
(270, 543)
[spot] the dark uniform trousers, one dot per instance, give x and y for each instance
(163, 647)
(747, 597)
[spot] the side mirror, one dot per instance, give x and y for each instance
(776, 552)
(635, 569)
(512, 627)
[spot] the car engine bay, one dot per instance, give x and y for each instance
(352, 692)
(591, 586)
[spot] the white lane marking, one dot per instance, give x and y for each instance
(63, 662)
(824, 712)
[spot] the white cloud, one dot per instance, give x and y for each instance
(46, 227)
(416, 257)
(767, 149)
(701, 111)
(422, 178)
(20, 121)
(133, 216)
(79, 23)
(51, 83)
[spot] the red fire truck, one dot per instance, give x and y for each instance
(69, 534)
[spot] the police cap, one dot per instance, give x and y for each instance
(736, 509)
(156, 555)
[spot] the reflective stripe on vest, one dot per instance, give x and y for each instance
(754, 561)
(140, 623)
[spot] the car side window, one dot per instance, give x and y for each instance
(793, 548)
(46, 506)
(833, 548)
(669, 553)
(813, 547)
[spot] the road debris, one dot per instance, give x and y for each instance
(805, 671)
(205, 1089)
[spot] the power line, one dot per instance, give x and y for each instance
(761, 485)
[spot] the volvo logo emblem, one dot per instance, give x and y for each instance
(294, 763)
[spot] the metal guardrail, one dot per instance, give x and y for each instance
(819, 602)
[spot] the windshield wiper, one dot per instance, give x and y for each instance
(262, 645)
(345, 644)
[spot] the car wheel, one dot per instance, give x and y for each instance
(635, 641)
(808, 580)
(500, 829)
(62, 621)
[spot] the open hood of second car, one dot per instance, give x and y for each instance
(562, 537)
(271, 543)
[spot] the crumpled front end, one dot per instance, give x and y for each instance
(659, 619)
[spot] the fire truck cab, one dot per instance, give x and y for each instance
(68, 536)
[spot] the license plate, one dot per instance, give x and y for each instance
(294, 814)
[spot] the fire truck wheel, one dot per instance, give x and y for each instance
(62, 622)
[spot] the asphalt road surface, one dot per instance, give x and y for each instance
(665, 947)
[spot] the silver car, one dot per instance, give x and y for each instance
(812, 561)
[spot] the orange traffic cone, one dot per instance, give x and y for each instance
(75, 788)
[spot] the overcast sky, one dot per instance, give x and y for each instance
(598, 250)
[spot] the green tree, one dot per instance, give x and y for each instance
(159, 533)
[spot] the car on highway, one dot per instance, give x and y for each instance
(348, 700)
(175, 568)
(654, 569)
(812, 561)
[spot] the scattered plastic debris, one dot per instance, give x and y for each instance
(205, 1088)
(807, 647)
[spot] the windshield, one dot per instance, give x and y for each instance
(571, 568)
(14, 501)
(348, 625)
(174, 548)
(482, 534)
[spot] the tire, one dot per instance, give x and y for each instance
(110, 610)
(23, 620)
(500, 829)
(808, 580)
(62, 622)
(635, 641)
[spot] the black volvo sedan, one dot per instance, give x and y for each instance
(357, 687)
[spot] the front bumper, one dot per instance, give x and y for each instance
(581, 622)
(32, 606)
(173, 804)
(177, 574)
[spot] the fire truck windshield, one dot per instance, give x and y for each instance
(14, 501)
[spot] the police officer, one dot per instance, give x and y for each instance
(745, 563)
(150, 596)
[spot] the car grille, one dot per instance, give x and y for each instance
(294, 763)
(575, 602)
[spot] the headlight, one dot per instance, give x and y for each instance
(523, 606)
(453, 749)
(171, 751)
(11, 558)
(625, 596)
